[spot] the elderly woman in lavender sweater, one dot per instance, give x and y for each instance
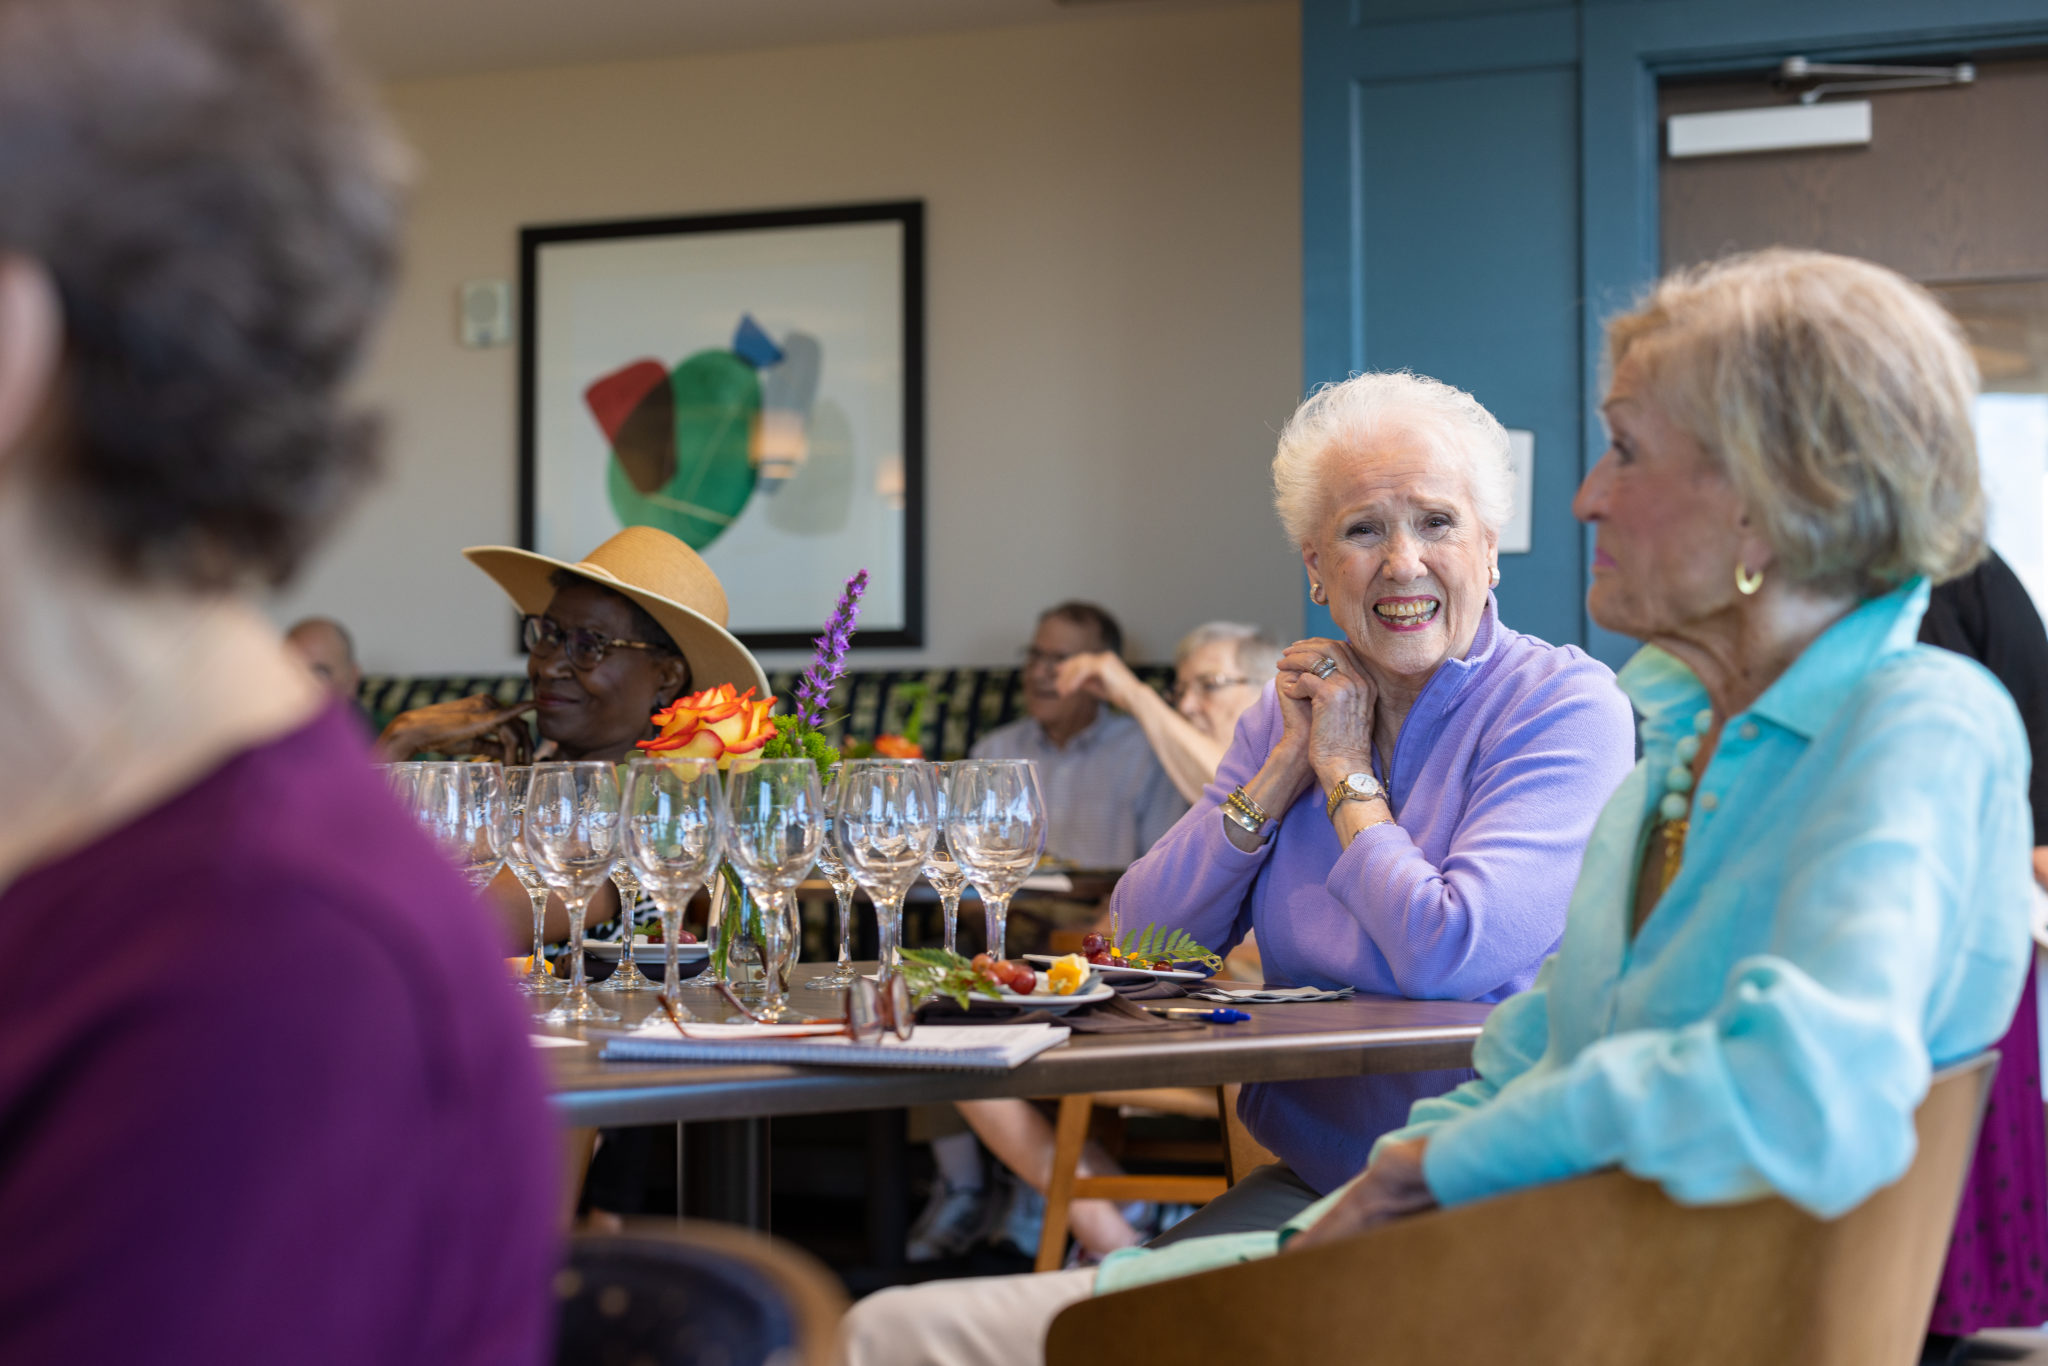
(1404, 810)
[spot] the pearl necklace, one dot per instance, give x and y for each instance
(1674, 809)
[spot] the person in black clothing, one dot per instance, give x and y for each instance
(1988, 616)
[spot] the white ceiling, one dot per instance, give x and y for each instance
(408, 39)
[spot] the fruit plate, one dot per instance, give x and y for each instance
(1123, 973)
(1092, 991)
(646, 950)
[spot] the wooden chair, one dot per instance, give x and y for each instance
(663, 1293)
(1238, 1154)
(1600, 1270)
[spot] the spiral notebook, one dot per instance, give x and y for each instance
(974, 1048)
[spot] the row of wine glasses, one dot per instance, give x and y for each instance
(567, 827)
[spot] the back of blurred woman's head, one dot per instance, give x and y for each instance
(1837, 395)
(217, 204)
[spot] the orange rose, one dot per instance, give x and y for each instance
(896, 747)
(717, 723)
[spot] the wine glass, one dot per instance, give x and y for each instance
(462, 805)
(572, 838)
(884, 823)
(674, 812)
(404, 779)
(843, 887)
(627, 975)
(941, 869)
(995, 827)
(777, 820)
(537, 981)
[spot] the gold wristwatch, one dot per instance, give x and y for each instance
(1355, 787)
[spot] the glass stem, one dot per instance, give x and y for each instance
(998, 908)
(949, 906)
(671, 932)
(577, 993)
(845, 899)
(539, 897)
(888, 933)
(775, 949)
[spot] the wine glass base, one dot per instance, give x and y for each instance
(628, 977)
(541, 984)
(585, 1012)
(837, 980)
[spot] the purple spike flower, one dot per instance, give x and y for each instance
(814, 689)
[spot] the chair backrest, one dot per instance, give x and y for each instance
(692, 1294)
(1600, 1270)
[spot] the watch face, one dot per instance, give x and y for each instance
(1364, 784)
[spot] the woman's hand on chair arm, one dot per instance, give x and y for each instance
(1390, 1188)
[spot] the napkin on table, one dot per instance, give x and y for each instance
(1269, 995)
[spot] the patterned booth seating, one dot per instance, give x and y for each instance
(962, 704)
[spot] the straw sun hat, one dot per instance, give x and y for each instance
(658, 572)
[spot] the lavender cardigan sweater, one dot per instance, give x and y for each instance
(1502, 764)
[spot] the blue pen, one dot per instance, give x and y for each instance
(1220, 1015)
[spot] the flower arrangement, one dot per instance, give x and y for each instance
(740, 731)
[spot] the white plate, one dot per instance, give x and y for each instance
(1091, 991)
(1128, 974)
(646, 950)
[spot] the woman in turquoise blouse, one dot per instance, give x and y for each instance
(1811, 891)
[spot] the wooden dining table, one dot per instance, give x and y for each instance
(1296, 1041)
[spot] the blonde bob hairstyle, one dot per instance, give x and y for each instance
(1836, 394)
(1351, 414)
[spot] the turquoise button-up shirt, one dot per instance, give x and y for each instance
(1852, 911)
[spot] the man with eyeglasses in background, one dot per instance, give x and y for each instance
(1106, 796)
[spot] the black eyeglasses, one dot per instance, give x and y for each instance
(872, 1009)
(545, 635)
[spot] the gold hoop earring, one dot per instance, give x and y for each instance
(1747, 583)
(1315, 594)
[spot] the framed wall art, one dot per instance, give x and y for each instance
(751, 382)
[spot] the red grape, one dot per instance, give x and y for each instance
(685, 937)
(1094, 943)
(1024, 981)
(1099, 956)
(983, 965)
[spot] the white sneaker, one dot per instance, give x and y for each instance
(954, 1220)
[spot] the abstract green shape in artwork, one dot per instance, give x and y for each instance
(696, 487)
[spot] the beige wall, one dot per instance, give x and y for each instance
(1114, 294)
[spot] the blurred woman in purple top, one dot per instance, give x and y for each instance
(264, 1093)
(1404, 810)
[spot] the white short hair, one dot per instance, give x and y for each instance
(1257, 653)
(1350, 414)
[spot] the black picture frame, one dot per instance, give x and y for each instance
(909, 214)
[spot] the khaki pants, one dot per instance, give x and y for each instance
(981, 1321)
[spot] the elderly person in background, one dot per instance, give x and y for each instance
(1403, 811)
(1811, 892)
(1219, 670)
(326, 648)
(1106, 797)
(346, 1155)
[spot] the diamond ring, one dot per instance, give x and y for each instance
(1324, 667)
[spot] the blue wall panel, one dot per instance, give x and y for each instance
(1479, 193)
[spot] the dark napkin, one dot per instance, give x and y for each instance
(1114, 1016)
(1149, 989)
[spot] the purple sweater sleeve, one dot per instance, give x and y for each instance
(1461, 928)
(1194, 878)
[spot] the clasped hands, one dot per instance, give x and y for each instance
(467, 725)
(1328, 716)
(1390, 1188)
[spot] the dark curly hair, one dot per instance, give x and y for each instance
(218, 205)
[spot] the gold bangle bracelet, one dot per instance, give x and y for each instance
(1246, 812)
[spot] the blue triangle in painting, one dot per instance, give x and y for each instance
(753, 346)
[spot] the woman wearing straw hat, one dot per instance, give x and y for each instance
(610, 640)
